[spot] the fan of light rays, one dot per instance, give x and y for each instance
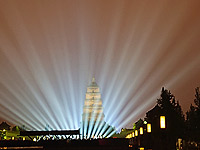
(49, 55)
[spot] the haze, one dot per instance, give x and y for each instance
(51, 49)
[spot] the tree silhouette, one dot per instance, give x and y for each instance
(193, 119)
(173, 113)
(175, 122)
(138, 124)
(16, 128)
(197, 98)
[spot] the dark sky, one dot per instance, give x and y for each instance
(51, 49)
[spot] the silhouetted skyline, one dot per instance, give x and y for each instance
(50, 50)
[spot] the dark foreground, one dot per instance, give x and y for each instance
(98, 144)
(102, 144)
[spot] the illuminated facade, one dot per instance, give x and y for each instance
(93, 110)
(93, 124)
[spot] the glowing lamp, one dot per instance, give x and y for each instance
(133, 134)
(145, 122)
(34, 140)
(129, 136)
(24, 138)
(149, 128)
(136, 132)
(13, 138)
(141, 148)
(141, 130)
(162, 122)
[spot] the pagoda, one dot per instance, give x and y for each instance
(93, 110)
(93, 124)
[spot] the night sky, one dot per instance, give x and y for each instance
(51, 49)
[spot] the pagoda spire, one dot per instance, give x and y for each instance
(93, 79)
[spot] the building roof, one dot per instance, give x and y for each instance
(4, 125)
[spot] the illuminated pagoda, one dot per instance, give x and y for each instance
(93, 124)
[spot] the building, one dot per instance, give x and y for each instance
(93, 110)
(93, 124)
(4, 126)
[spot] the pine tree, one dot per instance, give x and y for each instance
(175, 121)
(197, 103)
(193, 119)
(173, 112)
(191, 123)
(197, 98)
